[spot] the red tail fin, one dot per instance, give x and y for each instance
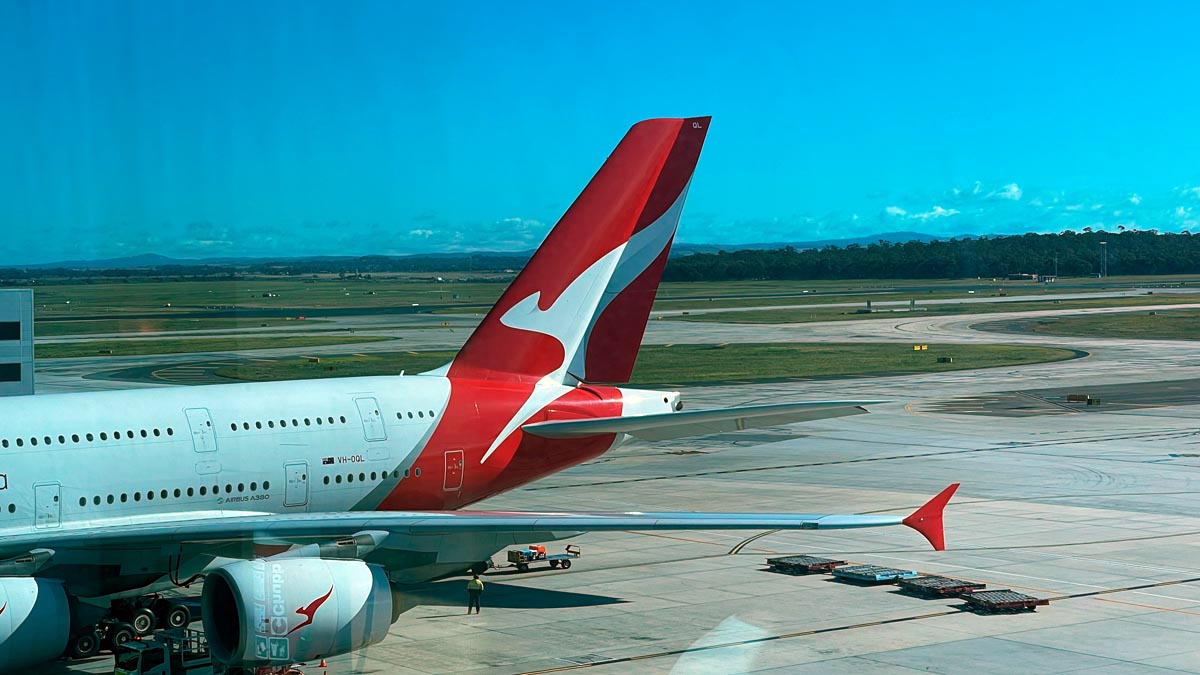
(579, 308)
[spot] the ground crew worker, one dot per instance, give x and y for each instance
(474, 590)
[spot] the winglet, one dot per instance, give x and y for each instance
(928, 519)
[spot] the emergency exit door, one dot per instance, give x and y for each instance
(200, 422)
(295, 490)
(454, 471)
(372, 419)
(47, 505)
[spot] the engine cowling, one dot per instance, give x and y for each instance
(278, 612)
(35, 622)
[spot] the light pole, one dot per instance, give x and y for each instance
(1104, 259)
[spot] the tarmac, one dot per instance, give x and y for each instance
(1090, 506)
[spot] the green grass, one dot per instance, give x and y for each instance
(135, 297)
(849, 314)
(126, 347)
(1176, 324)
(134, 325)
(700, 364)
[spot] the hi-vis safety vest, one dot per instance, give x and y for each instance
(475, 585)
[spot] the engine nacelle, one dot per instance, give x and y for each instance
(278, 612)
(35, 622)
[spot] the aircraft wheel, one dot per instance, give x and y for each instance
(85, 644)
(143, 621)
(179, 616)
(119, 634)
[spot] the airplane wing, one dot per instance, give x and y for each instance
(665, 426)
(310, 527)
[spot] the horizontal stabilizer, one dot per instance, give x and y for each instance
(664, 426)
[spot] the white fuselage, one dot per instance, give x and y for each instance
(148, 455)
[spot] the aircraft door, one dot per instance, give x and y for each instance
(203, 435)
(372, 419)
(47, 505)
(295, 491)
(454, 471)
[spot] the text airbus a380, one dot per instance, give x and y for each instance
(304, 506)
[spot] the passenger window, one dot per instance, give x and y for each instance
(156, 433)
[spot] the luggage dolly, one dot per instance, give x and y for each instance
(522, 558)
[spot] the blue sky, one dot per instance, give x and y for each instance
(295, 128)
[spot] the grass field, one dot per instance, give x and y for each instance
(167, 346)
(1176, 324)
(136, 297)
(678, 365)
(845, 314)
(133, 325)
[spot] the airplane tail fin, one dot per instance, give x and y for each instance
(578, 310)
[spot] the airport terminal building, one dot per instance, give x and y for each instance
(16, 342)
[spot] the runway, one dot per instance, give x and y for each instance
(1094, 507)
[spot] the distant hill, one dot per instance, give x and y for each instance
(148, 261)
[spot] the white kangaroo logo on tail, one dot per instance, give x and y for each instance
(567, 320)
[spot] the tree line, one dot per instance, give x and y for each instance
(1129, 252)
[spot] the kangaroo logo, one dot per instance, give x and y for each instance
(309, 611)
(562, 321)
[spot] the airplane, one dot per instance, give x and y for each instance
(306, 506)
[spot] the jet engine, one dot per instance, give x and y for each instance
(277, 612)
(35, 622)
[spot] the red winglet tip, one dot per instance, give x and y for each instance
(928, 519)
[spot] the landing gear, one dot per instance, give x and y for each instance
(127, 620)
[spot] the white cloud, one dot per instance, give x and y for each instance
(420, 233)
(935, 212)
(895, 211)
(1135, 199)
(1011, 191)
